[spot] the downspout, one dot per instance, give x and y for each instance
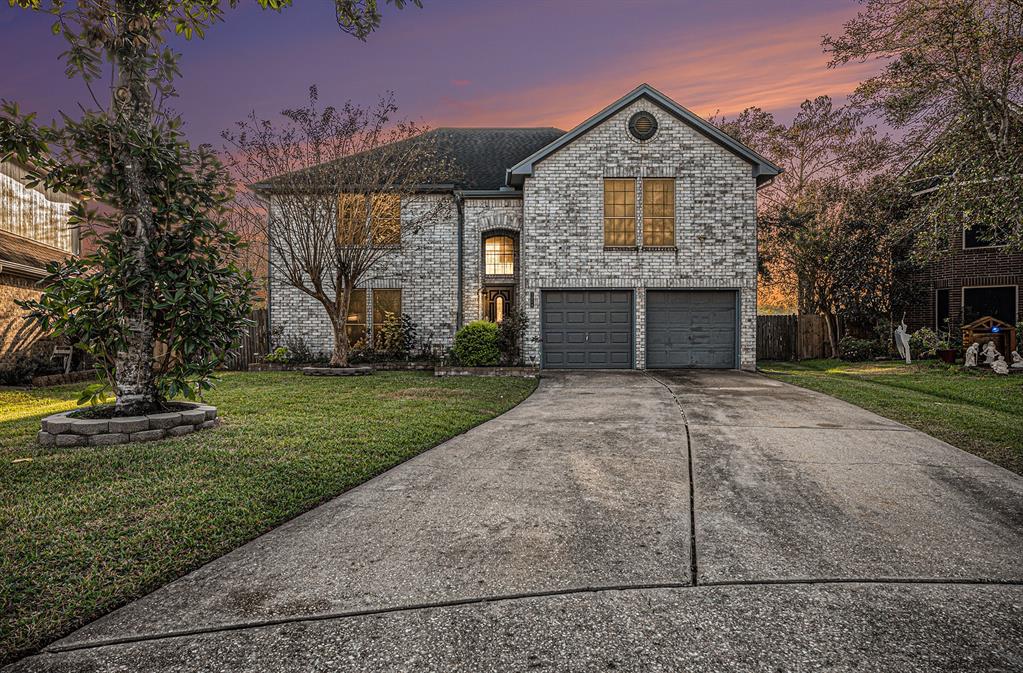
(460, 205)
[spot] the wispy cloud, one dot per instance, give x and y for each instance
(774, 67)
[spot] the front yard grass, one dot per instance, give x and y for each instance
(85, 530)
(976, 411)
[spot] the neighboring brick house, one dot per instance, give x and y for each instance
(629, 242)
(974, 278)
(33, 233)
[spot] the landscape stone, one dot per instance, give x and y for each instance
(89, 426)
(108, 439)
(147, 435)
(165, 421)
(45, 438)
(180, 430)
(129, 424)
(193, 416)
(57, 423)
(69, 439)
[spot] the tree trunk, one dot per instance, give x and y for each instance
(832, 322)
(339, 357)
(343, 303)
(133, 109)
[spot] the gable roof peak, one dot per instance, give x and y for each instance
(762, 169)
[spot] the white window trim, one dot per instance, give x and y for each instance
(962, 300)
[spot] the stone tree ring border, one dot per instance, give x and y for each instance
(643, 125)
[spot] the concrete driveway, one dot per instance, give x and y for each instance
(674, 521)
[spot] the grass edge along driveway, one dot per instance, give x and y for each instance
(976, 411)
(85, 530)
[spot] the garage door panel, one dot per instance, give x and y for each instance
(587, 328)
(691, 328)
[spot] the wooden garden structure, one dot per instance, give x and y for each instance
(987, 329)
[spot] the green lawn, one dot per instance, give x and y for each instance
(85, 530)
(977, 411)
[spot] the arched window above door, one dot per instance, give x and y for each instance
(499, 255)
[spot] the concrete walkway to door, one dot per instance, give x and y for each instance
(560, 537)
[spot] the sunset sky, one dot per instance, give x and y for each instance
(477, 62)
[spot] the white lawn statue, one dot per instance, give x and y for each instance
(1000, 365)
(1017, 360)
(902, 342)
(971, 355)
(990, 353)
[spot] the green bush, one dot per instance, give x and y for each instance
(925, 342)
(510, 332)
(858, 350)
(476, 345)
(397, 337)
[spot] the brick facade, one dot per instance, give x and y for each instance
(423, 267)
(715, 224)
(18, 337)
(557, 221)
(964, 268)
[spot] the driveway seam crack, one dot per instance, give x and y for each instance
(554, 593)
(693, 568)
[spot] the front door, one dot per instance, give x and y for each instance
(497, 301)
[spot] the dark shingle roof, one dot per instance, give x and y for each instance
(480, 156)
(484, 154)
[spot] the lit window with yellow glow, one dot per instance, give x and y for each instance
(619, 212)
(384, 225)
(499, 254)
(659, 212)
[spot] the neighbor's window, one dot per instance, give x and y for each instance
(997, 302)
(385, 223)
(384, 302)
(619, 212)
(658, 212)
(355, 324)
(499, 256)
(942, 310)
(982, 236)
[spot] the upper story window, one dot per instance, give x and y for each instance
(499, 255)
(658, 212)
(619, 212)
(384, 223)
(982, 236)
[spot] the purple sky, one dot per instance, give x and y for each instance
(476, 62)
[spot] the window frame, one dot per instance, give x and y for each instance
(352, 325)
(986, 246)
(359, 238)
(938, 327)
(962, 298)
(514, 252)
(606, 218)
(672, 182)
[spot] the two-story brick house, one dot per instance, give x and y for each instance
(629, 242)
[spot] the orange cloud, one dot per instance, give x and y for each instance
(774, 68)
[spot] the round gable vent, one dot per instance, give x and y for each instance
(643, 125)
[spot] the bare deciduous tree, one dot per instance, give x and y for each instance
(334, 190)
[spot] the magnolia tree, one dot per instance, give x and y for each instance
(164, 271)
(335, 190)
(951, 81)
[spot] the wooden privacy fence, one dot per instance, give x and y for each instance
(791, 337)
(254, 342)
